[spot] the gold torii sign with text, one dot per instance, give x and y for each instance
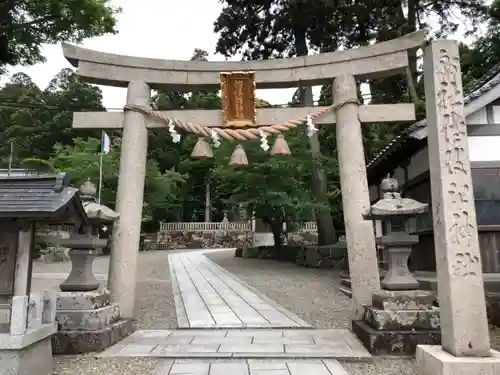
(238, 99)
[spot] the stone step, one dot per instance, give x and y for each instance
(249, 367)
(345, 282)
(242, 344)
(87, 320)
(77, 342)
(345, 290)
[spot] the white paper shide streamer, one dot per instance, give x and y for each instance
(263, 141)
(215, 138)
(176, 137)
(311, 129)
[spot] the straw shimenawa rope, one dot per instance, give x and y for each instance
(236, 134)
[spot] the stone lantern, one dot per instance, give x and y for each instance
(88, 321)
(395, 212)
(86, 244)
(401, 316)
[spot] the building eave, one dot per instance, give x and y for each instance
(483, 92)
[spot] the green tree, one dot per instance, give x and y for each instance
(170, 155)
(82, 162)
(276, 29)
(25, 25)
(275, 189)
(479, 58)
(34, 119)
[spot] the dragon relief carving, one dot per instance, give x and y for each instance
(453, 130)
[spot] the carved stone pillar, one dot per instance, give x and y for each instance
(464, 327)
(355, 197)
(129, 200)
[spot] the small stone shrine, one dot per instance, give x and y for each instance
(401, 316)
(87, 319)
(27, 320)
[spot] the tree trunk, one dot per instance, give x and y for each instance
(324, 221)
(411, 26)
(277, 229)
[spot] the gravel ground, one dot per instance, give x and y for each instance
(155, 309)
(311, 294)
(308, 292)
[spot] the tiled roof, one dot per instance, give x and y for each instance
(40, 197)
(479, 88)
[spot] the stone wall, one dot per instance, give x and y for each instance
(198, 240)
(302, 238)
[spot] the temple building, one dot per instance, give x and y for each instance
(406, 159)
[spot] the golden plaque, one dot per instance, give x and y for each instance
(238, 99)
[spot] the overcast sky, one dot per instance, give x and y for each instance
(151, 28)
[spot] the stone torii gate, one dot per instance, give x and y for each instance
(461, 292)
(140, 75)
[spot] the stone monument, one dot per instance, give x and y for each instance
(27, 320)
(87, 320)
(401, 316)
(464, 328)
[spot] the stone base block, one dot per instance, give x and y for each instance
(402, 320)
(87, 320)
(433, 360)
(250, 252)
(35, 359)
(83, 300)
(393, 342)
(403, 299)
(76, 342)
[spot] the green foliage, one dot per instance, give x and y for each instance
(81, 162)
(484, 53)
(38, 165)
(25, 25)
(265, 29)
(276, 189)
(34, 120)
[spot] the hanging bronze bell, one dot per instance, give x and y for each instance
(202, 150)
(238, 158)
(280, 147)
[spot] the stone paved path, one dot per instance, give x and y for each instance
(237, 343)
(250, 367)
(228, 327)
(207, 296)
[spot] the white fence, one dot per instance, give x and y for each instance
(205, 227)
(309, 226)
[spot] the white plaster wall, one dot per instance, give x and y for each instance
(485, 148)
(496, 114)
(479, 117)
(263, 239)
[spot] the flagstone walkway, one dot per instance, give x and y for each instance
(228, 327)
(207, 296)
(236, 343)
(250, 367)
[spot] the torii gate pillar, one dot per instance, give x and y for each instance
(360, 236)
(129, 202)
